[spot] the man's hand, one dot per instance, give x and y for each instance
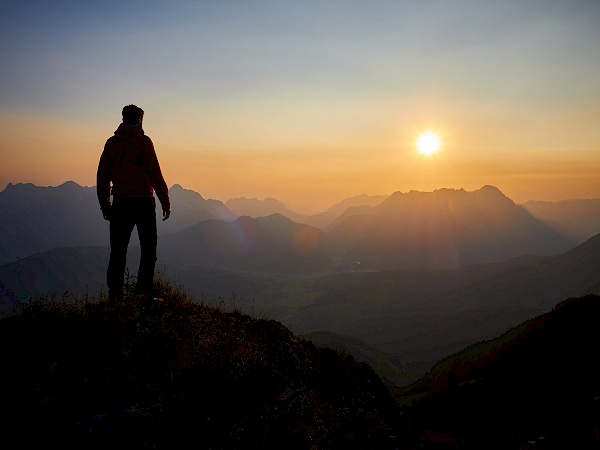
(166, 214)
(106, 212)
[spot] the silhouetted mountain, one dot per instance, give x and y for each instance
(536, 386)
(253, 207)
(440, 228)
(190, 208)
(38, 219)
(444, 228)
(577, 219)
(176, 373)
(269, 206)
(361, 210)
(265, 244)
(325, 219)
(357, 200)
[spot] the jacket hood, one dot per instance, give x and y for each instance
(125, 129)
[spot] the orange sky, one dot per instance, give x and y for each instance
(312, 104)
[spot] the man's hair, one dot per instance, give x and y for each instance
(133, 114)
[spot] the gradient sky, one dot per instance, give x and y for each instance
(308, 101)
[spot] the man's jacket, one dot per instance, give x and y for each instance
(130, 163)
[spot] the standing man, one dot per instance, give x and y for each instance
(130, 163)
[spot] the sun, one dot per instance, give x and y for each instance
(428, 143)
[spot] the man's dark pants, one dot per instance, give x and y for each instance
(125, 214)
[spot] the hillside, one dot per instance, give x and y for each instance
(254, 207)
(89, 374)
(78, 271)
(173, 373)
(388, 366)
(265, 244)
(536, 386)
(423, 315)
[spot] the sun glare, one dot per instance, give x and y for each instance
(428, 143)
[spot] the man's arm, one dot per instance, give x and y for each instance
(157, 180)
(103, 183)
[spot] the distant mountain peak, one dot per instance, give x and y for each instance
(13, 187)
(260, 208)
(489, 189)
(445, 192)
(275, 218)
(188, 194)
(268, 201)
(69, 184)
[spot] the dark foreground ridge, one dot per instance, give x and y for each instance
(535, 387)
(179, 374)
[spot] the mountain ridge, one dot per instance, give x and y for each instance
(46, 217)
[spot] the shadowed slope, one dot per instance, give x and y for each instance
(539, 382)
(265, 244)
(174, 372)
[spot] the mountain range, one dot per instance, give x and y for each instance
(36, 219)
(261, 208)
(443, 228)
(415, 275)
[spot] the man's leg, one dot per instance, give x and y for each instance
(146, 226)
(121, 226)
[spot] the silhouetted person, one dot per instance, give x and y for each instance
(130, 163)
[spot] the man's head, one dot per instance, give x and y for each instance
(133, 115)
